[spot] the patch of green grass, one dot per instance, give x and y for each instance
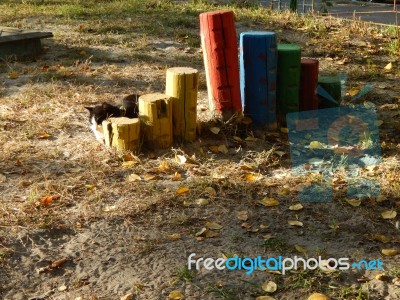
(353, 293)
(277, 245)
(222, 292)
(185, 274)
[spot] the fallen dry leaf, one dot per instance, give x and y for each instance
(264, 298)
(252, 177)
(301, 250)
(43, 135)
(296, 207)
(13, 75)
(295, 223)
(175, 295)
(181, 159)
(174, 236)
(379, 237)
(202, 202)
(318, 296)
(213, 226)
(268, 202)
(133, 178)
(242, 215)
(389, 66)
(269, 286)
(210, 191)
(354, 202)
(222, 148)
(182, 190)
(247, 121)
(215, 130)
(389, 214)
(177, 177)
(390, 252)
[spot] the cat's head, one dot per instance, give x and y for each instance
(101, 112)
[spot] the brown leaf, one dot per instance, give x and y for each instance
(242, 215)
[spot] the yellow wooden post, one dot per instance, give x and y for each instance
(182, 84)
(155, 113)
(122, 133)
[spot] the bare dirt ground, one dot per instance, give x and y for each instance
(75, 223)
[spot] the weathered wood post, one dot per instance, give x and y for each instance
(258, 62)
(308, 84)
(182, 84)
(155, 113)
(220, 51)
(287, 94)
(123, 134)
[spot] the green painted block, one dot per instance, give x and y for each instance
(332, 85)
(288, 80)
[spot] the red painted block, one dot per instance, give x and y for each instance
(308, 84)
(220, 51)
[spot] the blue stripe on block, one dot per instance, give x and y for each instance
(258, 67)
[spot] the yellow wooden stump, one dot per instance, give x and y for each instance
(122, 133)
(182, 84)
(155, 113)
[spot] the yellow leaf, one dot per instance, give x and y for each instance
(177, 177)
(223, 149)
(215, 130)
(354, 202)
(210, 191)
(182, 190)
(90, 186)
(251, 177)
(268, 202)
(318, 296)
(83, 53)
(280, 153)
(213, 226)
(295, 207)
(175, 295)
(316, 145)
(380, 238)
(43, 135)
(284, 130)
(134, 177)
(148, 177)
(164, 166)
(13, 75)
(242, 215)
(202, 202)
(284, 192)
(237, 139)
(211, 234)
(201, 232)
(295, 223)
(390, 252)
(246, 167)
(301, 250)
(389, 214)
(174, 236)
(264, 298)
(129, 164)
(353, 91)
(180, 159)
(268, 237)
(109, 208)
(269, 286)
(389, 66)
(251, 139)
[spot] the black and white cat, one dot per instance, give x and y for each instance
(99, 113)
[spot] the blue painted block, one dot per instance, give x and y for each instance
(258, 65)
